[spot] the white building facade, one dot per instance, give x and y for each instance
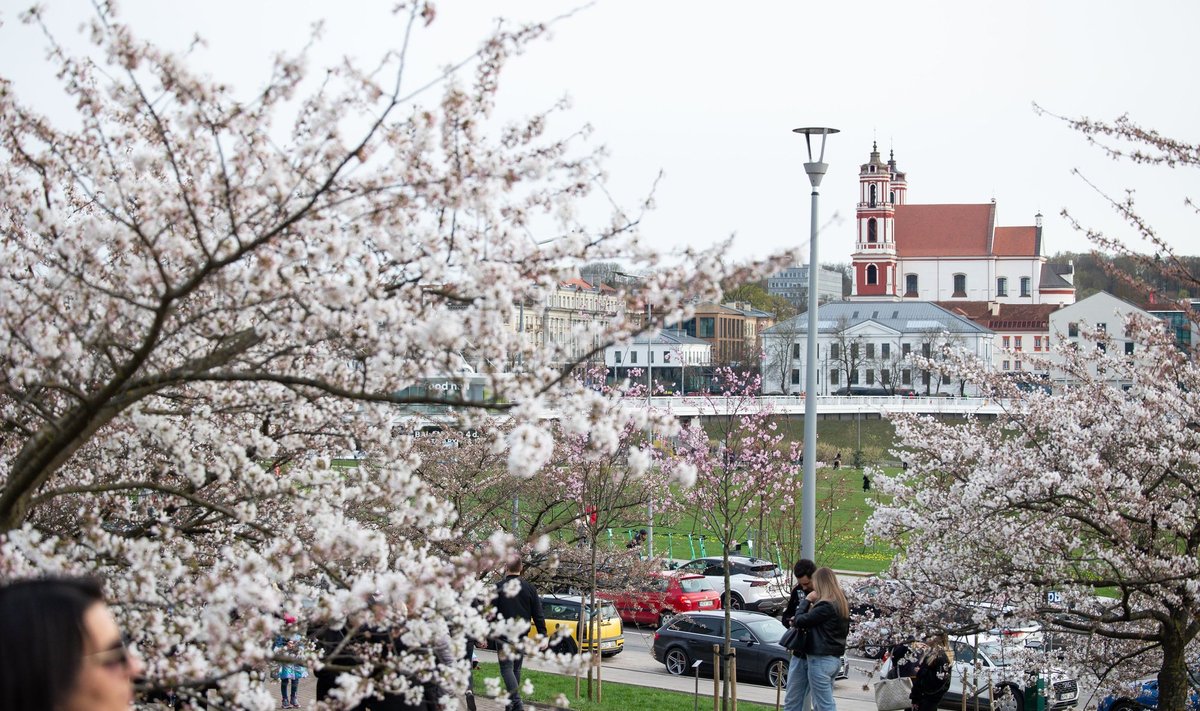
(1103, 312)
(673, 360)
(792, 284)
(868, 347)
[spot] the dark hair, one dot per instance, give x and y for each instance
(804, 568)
(42, 639)
(515, 566)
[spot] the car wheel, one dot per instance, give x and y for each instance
(777, 674)
(663, 619)
(1009, 698)
(872, 652)
(677, 661)
(735, 602)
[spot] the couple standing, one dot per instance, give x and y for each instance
(818, 608)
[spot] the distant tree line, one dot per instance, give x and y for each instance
(1124, 277)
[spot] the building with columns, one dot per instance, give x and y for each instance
(945, 253)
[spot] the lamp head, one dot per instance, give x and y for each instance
(815, 167)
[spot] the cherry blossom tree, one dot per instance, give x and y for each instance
(739, 461)
(209, 301)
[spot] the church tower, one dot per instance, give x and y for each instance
(880, 188)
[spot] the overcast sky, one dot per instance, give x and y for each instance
(708, 93)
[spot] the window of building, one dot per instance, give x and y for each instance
(945, 378)
(853, 351)
(651, 356)
(1025, 283)
(870, 350)
(854, 376)
(885, 376)
(1037, 343)
(960, 285)
(926, 349)
(617, 357)
(1102, 346)
(633, 356)
(833, 377)
(872, 274)
(795, 350)
(1004, 341)
(1128, 347)
(910, 284)
(892, 197)
(871, 192)
(905, 349)
(1016, 343)
(1102, 327)
(1073, 329)
(835, 350)
(885, 350)
(906, 376)
(795, 376)
(1017, 365)
(870, 377)
(1002, 286)
(666, 356)
(708, 328)
(872, 231)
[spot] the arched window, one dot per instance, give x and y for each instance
(960, 285)
(872, 231)
(1002, 286)
(872, 274)
(892, 197)
(871, 199)
(910, 284)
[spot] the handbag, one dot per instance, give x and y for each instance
(893, 694)
(791, 639)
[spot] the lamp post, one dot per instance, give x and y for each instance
(815, 168)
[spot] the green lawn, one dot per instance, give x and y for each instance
(547, 687)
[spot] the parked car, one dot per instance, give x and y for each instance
(663, 595)
(872, 598)
(1145, 695)
(564, 611)
(755, 584)
(690, 637)
(997, 677)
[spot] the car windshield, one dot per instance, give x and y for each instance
(768, 629)
(994, 651)
(690, 585)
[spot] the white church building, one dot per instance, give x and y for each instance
(946, 253)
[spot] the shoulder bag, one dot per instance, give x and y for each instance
(893, 694)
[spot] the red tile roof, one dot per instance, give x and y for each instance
(943, 230)
(1010, 317)
(1015, 242)
(577, 283)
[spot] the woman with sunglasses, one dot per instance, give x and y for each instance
(61, 649)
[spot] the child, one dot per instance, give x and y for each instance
(290, 673)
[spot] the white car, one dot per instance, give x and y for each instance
(755, 584)
(985, 661)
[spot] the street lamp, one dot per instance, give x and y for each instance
(808, 507)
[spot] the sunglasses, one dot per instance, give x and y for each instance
(116, 656)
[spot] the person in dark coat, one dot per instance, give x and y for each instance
(516, 599)
(802, 573)
(932, 679)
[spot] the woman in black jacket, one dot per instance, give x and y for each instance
(933, 674)
(823, 616)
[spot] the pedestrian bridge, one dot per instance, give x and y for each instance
(830, 406)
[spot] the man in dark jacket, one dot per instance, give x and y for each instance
(802, 572)
(516, 599)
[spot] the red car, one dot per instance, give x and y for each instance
(663, 596)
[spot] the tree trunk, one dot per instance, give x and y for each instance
(1173, 686)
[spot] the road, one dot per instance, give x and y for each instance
(636, 666)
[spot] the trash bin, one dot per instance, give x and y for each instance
(1035, 693)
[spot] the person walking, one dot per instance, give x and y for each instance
(802, 571)
(290, 673)
(824, 617)
(62, 648)
(516, 599)
(932, 679)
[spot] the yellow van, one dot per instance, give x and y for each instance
(564, 611)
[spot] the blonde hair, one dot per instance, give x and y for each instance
(825, 584)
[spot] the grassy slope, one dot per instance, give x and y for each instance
(627, 697)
